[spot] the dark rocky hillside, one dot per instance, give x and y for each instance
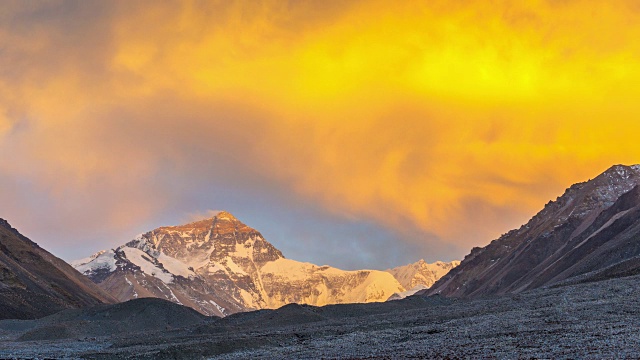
(34, 283)
(591, 232)
(133, 316)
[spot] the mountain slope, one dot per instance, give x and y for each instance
(590, 232)
(220, 266)
(34, 283)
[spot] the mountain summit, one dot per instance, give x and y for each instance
(590, 232)
(220, 266)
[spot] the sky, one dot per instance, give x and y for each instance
(359, 134)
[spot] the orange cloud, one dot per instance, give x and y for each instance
(5, 122)
(458, 119)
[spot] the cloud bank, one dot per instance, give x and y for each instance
(402, 128)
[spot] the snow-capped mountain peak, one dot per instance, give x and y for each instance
(220, 265)
(103, 259)
(421, 273)
(225, 216)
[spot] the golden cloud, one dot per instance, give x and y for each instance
(459, 119)
(5, 122)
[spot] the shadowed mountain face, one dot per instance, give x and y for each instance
(34, 283)
(221, 266)
(592, 232)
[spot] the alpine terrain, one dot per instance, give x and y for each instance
(34, 283)
(591, 232)
(221, 266)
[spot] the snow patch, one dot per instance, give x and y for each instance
(175, 266)
(104, 259)
(140, 259)
(290, 269)
(246, 297)
(220, 308)
(234, 268)
(135, 294)
(214, 268)
(173, 296)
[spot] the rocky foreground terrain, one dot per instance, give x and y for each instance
(598, 319)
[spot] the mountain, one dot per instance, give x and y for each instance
(221, 266)
(421, 273)
(34, 283)
(591, 232)
(419, 276)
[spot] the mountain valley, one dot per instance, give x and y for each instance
(564, 285)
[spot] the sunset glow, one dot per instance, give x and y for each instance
(442, 123)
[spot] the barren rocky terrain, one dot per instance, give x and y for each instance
(34, 283)
(587, 320)
(592, 230)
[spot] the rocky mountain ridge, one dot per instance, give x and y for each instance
(34, 283)
(593, 229)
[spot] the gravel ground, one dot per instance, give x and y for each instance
(592, 320)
